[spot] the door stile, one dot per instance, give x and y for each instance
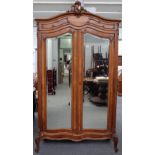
(74, 81)
(110, 84)
(44, 96)
(39, 71)
(115, 68)
(80, 45)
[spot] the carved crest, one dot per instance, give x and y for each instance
(77, 9)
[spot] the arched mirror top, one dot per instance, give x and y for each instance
(77, 18)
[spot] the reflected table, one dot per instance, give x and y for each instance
(97, 90)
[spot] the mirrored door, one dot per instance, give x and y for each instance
(95, 82)
(58, 81)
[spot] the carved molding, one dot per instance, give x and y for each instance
(77, 9)
(78, 21)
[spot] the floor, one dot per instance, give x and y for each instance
(59, 110)
(58, 107)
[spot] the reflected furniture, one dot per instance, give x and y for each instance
(34, 103)
(51, 78)
(97, 90)
(35, 97)
(119, 60)
(78, 22)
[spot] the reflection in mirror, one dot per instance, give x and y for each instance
(58, 81)
(95, 82)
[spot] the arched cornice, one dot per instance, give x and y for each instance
(77, 22)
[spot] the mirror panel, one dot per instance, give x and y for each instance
(95, 82)
(58, 81)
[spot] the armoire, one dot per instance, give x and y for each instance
(83, 49)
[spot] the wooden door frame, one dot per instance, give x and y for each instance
(77, 26)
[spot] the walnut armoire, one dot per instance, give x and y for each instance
(88, 79)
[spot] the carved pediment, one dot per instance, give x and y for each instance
(73, 20)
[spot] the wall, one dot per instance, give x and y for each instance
(34, 49)
(52, 54)
(120, 42)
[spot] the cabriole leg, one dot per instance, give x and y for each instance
(115, 141)
(37, 142)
